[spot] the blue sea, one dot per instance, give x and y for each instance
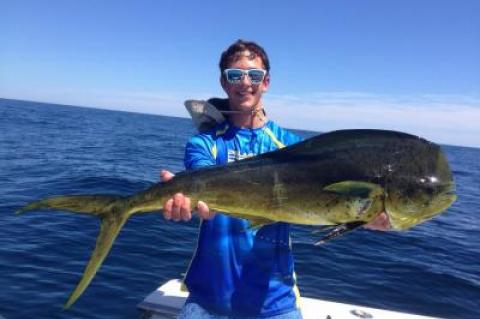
(46, 149)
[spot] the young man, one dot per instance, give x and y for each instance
(237, 272)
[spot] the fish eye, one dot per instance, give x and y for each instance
(428, 180)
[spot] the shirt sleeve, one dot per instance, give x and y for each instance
(198, 153)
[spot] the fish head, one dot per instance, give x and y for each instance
(420, 190)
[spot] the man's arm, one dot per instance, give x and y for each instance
(197, 154)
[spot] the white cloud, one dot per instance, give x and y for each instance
(446, 119)
(164, 103)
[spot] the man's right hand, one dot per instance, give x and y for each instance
(179, 206)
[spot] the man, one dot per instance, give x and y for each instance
(235, 271)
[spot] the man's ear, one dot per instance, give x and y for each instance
(266, 82)
(223, 83)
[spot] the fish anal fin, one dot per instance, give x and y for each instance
(256, 223)
(322, 228)
(340, 230)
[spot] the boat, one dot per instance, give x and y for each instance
(168, 299)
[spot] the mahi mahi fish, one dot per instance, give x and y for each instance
(343, 179)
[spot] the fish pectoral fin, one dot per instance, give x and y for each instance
(355, 188)
(339, 231)
(111, 225)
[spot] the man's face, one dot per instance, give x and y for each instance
(245, 95)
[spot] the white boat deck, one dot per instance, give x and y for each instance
(166, 301)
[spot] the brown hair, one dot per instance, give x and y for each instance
(232, 54)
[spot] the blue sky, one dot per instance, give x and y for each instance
(407, 65)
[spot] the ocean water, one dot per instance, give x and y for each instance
(48, 149)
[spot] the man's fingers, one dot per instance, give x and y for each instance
(166, 175)
(203, 210)
(167, 209)
(179, 208)
(186, 210)
(178, 199)
(171, 206)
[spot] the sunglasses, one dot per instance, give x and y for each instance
(235, 76)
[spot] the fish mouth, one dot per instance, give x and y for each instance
(450, 189)
(449, 195)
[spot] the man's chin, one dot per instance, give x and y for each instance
(244, 106)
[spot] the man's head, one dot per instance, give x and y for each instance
(244, 68)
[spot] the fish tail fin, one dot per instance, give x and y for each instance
(111, 224)
(87, 204)
(113, 212)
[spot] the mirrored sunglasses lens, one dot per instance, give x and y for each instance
(234, 75)
(256, 76)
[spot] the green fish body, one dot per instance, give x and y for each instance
(340, 178)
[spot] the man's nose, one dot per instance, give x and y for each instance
(245, 80)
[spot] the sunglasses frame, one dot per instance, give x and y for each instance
(244, 72)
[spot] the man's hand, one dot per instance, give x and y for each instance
(380, 222)
(179, 206)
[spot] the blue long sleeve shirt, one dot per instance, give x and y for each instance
(235, 270)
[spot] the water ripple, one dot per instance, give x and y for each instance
(48, 150)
